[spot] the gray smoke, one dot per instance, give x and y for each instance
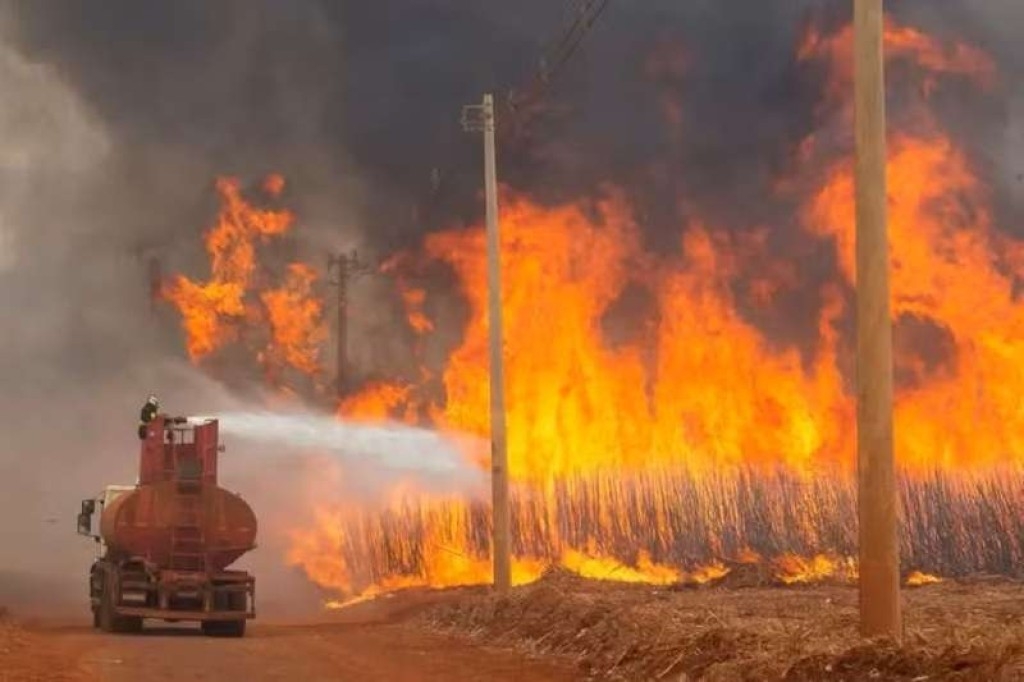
(85, 197)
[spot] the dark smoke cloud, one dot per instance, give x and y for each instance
(307, 87)
(298, 87)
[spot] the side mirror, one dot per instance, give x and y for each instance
(85, 524)
(85, 517)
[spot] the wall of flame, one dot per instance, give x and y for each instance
(699, 438)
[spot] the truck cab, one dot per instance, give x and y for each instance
(93, 508)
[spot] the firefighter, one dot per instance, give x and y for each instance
(148, 414)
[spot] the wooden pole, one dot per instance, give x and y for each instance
(341, 339)
(499, 454)
(879, 546)
(348, 267)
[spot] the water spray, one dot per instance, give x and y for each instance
(389, 445)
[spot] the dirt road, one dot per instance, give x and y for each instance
(375, 643)
(319, 652)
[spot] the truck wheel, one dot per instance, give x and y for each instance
(96, 617)
(104, 616)
(234, 628)
(131, 624)
(105, 612)
(223, 628)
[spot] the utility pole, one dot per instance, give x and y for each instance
(346, 266)
(480, 118)
(876, 468)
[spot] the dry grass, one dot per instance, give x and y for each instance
(955, 631)
(952, 525)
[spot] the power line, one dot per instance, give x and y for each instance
(524, 105)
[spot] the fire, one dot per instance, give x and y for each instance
(650, 442)
(210, 311)
(237, 299)
(414, 299)
(578, 404)
(295, 317)
(947, 280)
(378, 402)
(929, 58)
(432, 546)
(588, 565)
(793, 570)
(918, 579)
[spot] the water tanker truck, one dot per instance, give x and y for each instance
(165, 544)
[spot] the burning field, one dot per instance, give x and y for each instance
(675, 417)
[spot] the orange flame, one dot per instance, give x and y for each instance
(699, 388)
(219, 312)
(929, 57)
(210, 311)
(918, 579)
(793, 570)
(946, 274)
(378, 402)
(295, 317)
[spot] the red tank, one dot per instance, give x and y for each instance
(145, 523)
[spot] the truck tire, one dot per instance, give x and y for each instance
(106, 619)
(223, 628)
(128, 624)
(234, 628)
(105, 613)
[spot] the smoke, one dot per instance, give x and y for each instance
(992, 132)
(87, 193)
(328, 92)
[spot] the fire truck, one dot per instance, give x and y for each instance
(166, 543)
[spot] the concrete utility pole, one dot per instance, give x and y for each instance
(347, 266)
(480, 118)
(876, 467)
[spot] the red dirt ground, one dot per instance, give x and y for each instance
(373, 642)
(563, 628)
